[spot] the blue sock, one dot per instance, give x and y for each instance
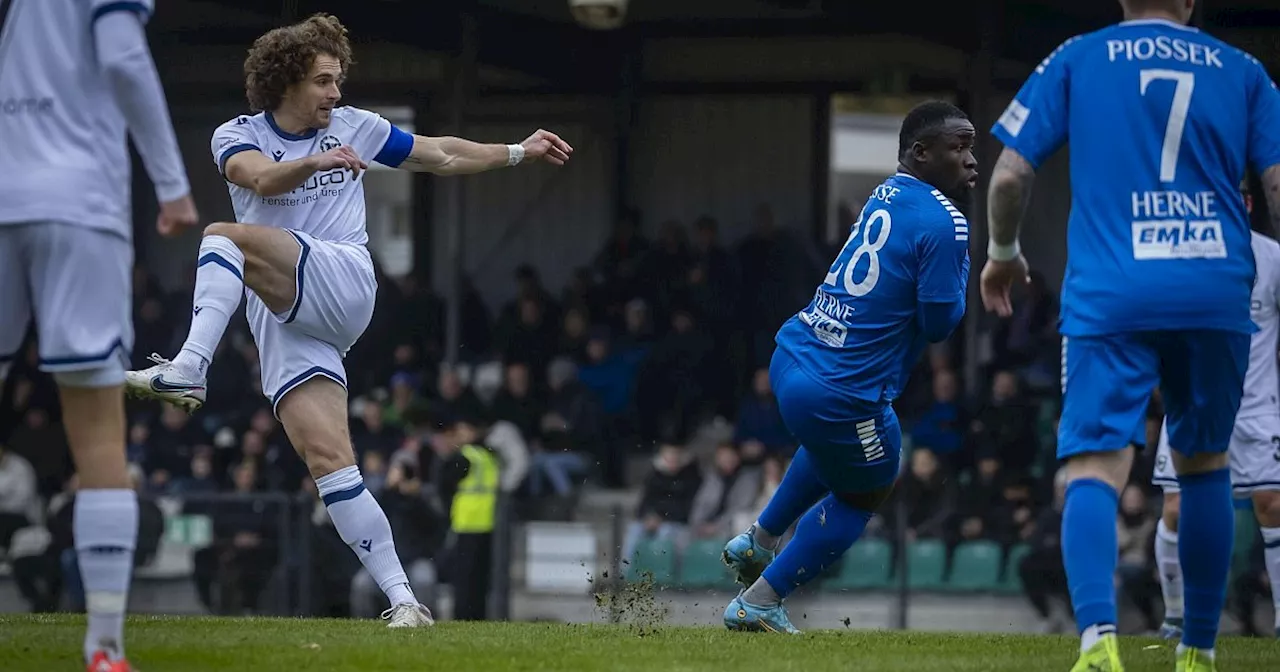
(1090, 550)
(1206, 530)
(799, 490)
(823, 535)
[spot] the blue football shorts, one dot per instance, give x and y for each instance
(855, 445)
(1107, 383)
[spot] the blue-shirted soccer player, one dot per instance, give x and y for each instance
(898, 283)
(1162, 121)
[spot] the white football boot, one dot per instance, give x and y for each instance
(408, 616)
(167, 383)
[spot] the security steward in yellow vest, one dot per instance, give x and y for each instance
(469, 482)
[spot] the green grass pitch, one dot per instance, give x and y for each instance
(164, 644)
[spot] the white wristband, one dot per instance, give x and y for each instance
(1003, 252)
(515, 154)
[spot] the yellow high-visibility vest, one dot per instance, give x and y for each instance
(476, 503)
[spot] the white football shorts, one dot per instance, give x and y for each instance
(76, 282)
(1254, 454)
(335, 295)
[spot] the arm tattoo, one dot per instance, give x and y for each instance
(1271, 188)
(1007, 196)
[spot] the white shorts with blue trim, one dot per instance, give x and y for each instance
(334, 300)
(1254, 455)
(77, 284)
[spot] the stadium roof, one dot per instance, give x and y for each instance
(540, 36)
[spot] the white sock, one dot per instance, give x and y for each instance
(1170, 570)
(1271, 542)
(105, 525)
(362, 524)
(1093, 634)
(219, 288)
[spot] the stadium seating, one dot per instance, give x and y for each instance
(926, 564)
(975, 567)
(701, 567)
(656, 557)
(1011, 583)
(867, 566)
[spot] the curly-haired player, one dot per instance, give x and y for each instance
(293, 170)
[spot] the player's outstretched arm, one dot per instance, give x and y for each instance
(456, 156)
(253, 170)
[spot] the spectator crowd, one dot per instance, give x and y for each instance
(648, 371)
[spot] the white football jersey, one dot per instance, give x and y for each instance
(1261, 384)
(330, 204)
(63, 153)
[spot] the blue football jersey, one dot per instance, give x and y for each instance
(1162, 121)
(860, 334)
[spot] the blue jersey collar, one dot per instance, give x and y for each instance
(1159, 22)
(271, 121)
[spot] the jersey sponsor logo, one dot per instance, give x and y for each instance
(224, 142)
(320, 185)
(29, 105)
(826, 328)
(1173, 239)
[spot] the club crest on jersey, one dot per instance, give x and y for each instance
(329, 142)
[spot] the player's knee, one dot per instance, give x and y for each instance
(324, 452)
(1110, 467)
(1266, 506)
(111, 374)
(1199, 463)
(1169, 511)
(869, 501)
(230, 230)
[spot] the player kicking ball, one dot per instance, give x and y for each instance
(898, 284)
(1254, 449)
(299, 259)
(1163, 121)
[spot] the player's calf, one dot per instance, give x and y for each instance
(1266, 506)
(314, 415)
(1168, 567)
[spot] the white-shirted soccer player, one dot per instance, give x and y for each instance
(294, 172)
(75, 75)
(1255, 444)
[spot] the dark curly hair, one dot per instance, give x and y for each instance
(282, 57)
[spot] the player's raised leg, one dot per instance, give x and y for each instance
(231, 256)
(857, 471)
(749, 553)
(1168, 567)
(314, 415)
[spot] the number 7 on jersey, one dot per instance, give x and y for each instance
(1184, 83)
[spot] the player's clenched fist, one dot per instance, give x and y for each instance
(339, 157)
(547, 146)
